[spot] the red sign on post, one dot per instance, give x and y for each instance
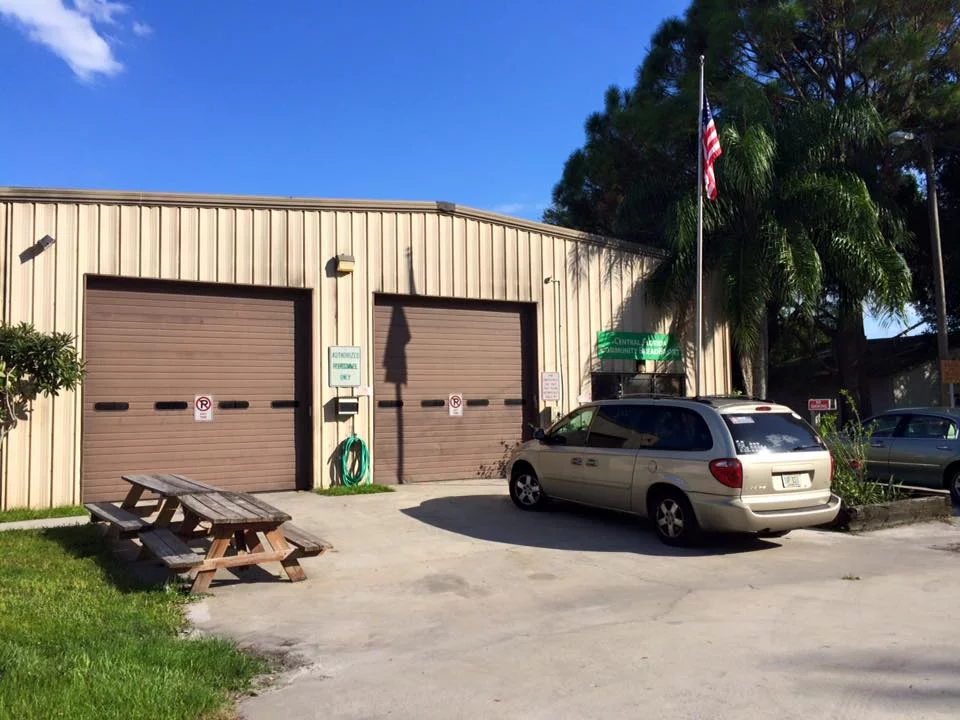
(821, 404)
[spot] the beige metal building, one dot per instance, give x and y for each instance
(219, 333)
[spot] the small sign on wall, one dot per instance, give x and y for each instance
(344, 366)
(455, 405)
(203, 408)
(551, 386)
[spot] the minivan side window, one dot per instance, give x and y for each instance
(612, 428)
(679, 429)
(573, 429)
(634, 427)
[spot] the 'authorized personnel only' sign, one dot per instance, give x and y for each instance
(344, 366)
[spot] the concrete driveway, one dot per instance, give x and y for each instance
(444, 601)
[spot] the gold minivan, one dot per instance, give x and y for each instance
(691, 465)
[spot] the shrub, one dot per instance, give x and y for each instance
(33, 363)
(849, 445)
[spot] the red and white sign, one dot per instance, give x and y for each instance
(455, 404)
(203, 408)
(821, 404)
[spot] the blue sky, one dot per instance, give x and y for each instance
(478, 103)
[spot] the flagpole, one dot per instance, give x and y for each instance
(698, 350)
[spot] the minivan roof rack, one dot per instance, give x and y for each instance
(708, 399)
(651, 396)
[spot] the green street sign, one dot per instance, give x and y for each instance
(613, 345)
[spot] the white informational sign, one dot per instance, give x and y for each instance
(203, 408)
(344, 366)
(551, 386)
(455, 405)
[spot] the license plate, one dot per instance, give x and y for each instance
(793, 481)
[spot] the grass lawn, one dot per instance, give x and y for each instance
(79, 638)
(353, 489)
(27, 514)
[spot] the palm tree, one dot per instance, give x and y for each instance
(793, 223)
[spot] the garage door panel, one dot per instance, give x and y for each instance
(426, 350)
(168, 343)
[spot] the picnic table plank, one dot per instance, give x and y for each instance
(168, 485)
(121, 519)
(224, 507)
(307, 543)
(171, 550)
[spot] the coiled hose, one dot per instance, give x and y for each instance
(347, 476)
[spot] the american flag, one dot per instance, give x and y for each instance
(711, 149)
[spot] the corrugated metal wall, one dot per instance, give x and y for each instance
(405, 248)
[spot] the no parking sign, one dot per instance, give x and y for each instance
(455, 404)
(203, 408)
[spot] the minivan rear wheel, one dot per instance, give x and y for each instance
(673, 518)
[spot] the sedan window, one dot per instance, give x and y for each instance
(929, 427)
(882, 425)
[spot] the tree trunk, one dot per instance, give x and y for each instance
(747, 371)
(849, 348)
(755, 366)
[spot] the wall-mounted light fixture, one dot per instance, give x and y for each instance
(345, 264)
(38, 247)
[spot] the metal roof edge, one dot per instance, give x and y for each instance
(265, 202)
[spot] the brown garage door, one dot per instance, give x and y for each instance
(424, 352)
(152, 347)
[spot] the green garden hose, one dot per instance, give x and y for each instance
(348, 477)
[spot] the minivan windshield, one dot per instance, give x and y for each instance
(770, 432)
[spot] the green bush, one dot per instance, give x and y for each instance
(848, 445)
(33, 363)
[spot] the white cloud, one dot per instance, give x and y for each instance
(100, 10)
(69, 31)
(142, 29)
(519, 208)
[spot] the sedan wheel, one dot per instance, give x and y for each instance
(953, 485)
(674, 520)
(526, 492)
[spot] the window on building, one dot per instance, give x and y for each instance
(610, 386)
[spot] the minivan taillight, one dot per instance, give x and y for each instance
(833, 467)
(728, 471)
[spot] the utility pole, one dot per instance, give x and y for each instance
(936, 259)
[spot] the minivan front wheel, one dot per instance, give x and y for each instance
(525, 490)
(673, 518)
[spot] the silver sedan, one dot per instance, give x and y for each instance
(917, 446)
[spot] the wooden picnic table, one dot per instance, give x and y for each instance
(235, 518)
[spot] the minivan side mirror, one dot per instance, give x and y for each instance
(540, 434)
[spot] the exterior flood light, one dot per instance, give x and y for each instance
(345, 264)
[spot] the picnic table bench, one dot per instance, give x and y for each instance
(236, 519)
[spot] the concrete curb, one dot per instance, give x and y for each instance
(862, 518)
(45, 523)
